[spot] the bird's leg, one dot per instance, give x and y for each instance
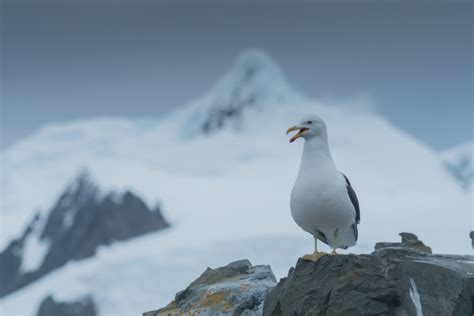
(316, 254)
(333, 252)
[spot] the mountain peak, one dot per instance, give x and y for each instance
(82, 188)
(254, 81)
(255, 65)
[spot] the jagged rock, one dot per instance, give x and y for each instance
(81, 220)
(236, 289)
(396, 279)
(83, 307)
(409, 240)
(471, 234)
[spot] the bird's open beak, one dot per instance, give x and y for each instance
(300, 130)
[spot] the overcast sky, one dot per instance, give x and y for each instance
(63, 61)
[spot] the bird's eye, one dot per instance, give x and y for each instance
(309, 122)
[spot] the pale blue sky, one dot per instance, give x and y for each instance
(62, 61)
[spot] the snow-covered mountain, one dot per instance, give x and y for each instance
(460, 163)
(254, 82)
(223, 170)
(82, 220)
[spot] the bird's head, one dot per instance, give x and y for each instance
(309, 127)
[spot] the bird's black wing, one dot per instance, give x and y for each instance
(353, 197)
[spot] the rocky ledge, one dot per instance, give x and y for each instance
(396, 279)
(236, 289)
(84, 306)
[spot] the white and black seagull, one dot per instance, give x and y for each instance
(323, 202)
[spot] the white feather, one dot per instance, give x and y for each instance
(319, 199)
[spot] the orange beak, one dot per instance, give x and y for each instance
(300, 130)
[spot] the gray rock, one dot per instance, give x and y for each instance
(409, 240)
(236, 289)
(471, 234)
(396, 279)
(82, 307)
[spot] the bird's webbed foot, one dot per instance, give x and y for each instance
(314, 256)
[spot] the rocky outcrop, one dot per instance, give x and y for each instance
(396, 279)
(81, 220)
(409, 241)
(83, 307)
(236, 289)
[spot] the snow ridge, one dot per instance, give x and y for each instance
(415, 297)
(34, 247)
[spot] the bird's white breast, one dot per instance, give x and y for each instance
(319, 200)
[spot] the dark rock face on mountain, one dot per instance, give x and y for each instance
(393, 280)
(236, 289)
(82, 307)
(81, 220)
(461, 168)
